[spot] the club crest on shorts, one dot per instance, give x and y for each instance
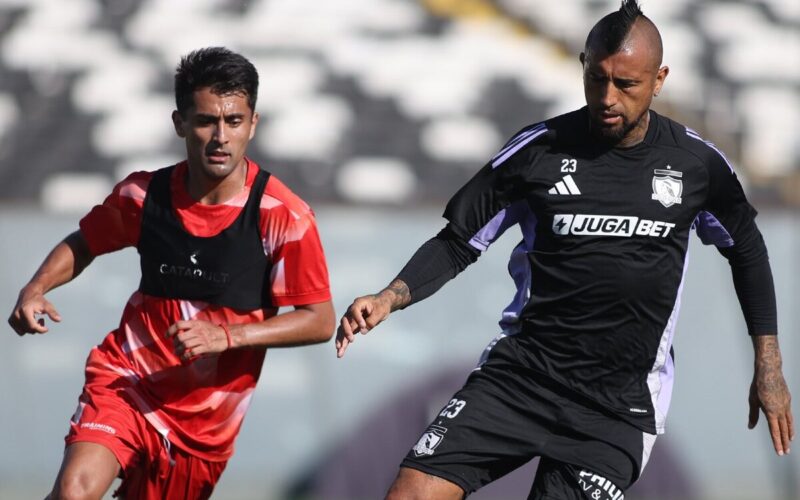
(667, 186)
(429, 441)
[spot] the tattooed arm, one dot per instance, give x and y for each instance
(435, 263)
(365, 313)
(769, 393)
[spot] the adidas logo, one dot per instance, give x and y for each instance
(565, 186)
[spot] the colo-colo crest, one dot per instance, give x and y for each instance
(667, 186)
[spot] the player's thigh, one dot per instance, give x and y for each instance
(560, 481)
(412, 484)
(480, 435)
(87, 471)
(171, 474)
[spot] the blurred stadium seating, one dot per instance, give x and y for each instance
(372, 101)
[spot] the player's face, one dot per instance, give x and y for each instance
(619, 89)
(217, 130)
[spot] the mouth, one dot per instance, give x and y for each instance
(217, 156)
(610, 119)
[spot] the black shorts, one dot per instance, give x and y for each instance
(504, 416)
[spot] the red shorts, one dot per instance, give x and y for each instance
(150, 467)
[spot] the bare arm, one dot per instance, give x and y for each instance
(65, 262)
(306, 324)
(769, 393)
(365, 313)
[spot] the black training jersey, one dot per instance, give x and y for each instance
(601, 262)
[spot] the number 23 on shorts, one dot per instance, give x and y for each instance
(453, 408)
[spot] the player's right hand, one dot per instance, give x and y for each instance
(364, 314)
(28, 314)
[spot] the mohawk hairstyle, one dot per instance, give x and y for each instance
(609, 33)
(223, 71)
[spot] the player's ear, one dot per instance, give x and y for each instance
(253, 124)
(582, 58)
(663, 71)
(178, 122)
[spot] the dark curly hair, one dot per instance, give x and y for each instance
(218, 68)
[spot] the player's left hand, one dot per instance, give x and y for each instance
(195, 338)
(769, 392)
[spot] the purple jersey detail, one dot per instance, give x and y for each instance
(519, 137)
(509, 151)
(489, 232)
(493, 229)
(519, 266)
(694, 135)
(488, 349)
(711, 231)
(662, 374)
(667, 379)
(520, 270)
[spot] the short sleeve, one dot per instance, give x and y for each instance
(477, 212)
(727, 215)
(727, 219)
(299, 273)
(116, 223)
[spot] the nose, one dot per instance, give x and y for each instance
(609, 95)
(221, 132)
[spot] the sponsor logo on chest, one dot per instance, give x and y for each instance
(193, 272)
(609, 225)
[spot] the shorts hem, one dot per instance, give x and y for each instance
(457, 480)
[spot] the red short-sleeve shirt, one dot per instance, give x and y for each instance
(199, 405)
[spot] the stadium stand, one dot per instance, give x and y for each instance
(371, 101)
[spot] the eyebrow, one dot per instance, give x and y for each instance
(209, 116)
(597, 74)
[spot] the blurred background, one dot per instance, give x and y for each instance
(376, 111)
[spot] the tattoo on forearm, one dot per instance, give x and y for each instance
(769, 379)
(401, 294)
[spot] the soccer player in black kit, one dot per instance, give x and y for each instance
(581, 375)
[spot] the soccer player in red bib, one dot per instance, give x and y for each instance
(222, 245)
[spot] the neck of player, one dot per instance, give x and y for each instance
(210, 190)
(637, 134)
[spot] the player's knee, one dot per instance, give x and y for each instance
(76, 486)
